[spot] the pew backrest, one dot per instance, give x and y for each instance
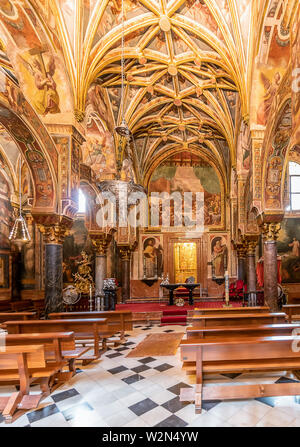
(223, 332)
(116, 320)
(239, 319)
(231, 310)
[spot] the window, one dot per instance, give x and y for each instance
(294, 175)
(81, 202)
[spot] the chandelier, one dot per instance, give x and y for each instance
(123, 130)
(19, 234)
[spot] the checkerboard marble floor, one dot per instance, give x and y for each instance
(144, 392)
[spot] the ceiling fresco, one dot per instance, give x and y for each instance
(189, 68)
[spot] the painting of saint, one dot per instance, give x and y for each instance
(219, 256)
(152, 257)
(288, 247)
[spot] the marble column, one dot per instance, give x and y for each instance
(241, 260)
(125, 255)
(251, 265)
(101, 243)
(270, 232)
(53, 238)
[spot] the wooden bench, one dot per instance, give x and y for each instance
(235, 332)
(231, 310)
(117, 320)
(39, 307)
(94, 329)
(23, 365)
(22, 305)
(238, 356)
(5, 305)
(291, 310)
(58, 346)
(238, 319)
(4, 316)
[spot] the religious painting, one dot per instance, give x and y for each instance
(295, 60)
(6, 223)
(184, 173)
(219, 256)
(288, 246)
(74, 244)
(152, 256)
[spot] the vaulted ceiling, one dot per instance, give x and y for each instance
(188, 67)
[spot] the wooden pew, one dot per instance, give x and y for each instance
(58, 346)
(22, 305)
(4, 316)
(291, 310)
(92, 329)
(39, 307)
(234, 332)
(22, 365)
(238, 356)
(231, 310)
(117, 320)
(5, 305)
(238, 319)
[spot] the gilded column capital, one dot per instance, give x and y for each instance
(270, 231)
(251, 241)
(54, 234)
(100, 242)
(125, 252)
(241, 249)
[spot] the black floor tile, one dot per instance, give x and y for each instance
(143, 407)
(117, 370)
(72, 412)
(286, 380)
(123, 348)
(163, 367)
(176, 388)
(209, 404)
(146, 328)
(231, 375)
(132, 379)
(174, 405)
(147, 360)
(42, 413)
(172, 421)
(64, 395)
(139, 369)
(169, 330)
(129, 343)
(115, 354)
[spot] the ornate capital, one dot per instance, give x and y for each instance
(270, 231)
(100, 242)
(54, 234)
(125, 252)
(54, 227)
(251, 241)
(241, 249)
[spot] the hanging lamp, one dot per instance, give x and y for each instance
(123, 129)
(19, 234)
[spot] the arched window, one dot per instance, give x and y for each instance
(81, 202)
(294, 185)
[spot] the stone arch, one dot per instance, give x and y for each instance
(34, 142)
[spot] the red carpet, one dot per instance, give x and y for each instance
(156, 307)
(173, 317)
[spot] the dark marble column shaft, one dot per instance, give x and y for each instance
(241, 268)
(53, 278)
(125, 270)
(270, 275)
(251, 273)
